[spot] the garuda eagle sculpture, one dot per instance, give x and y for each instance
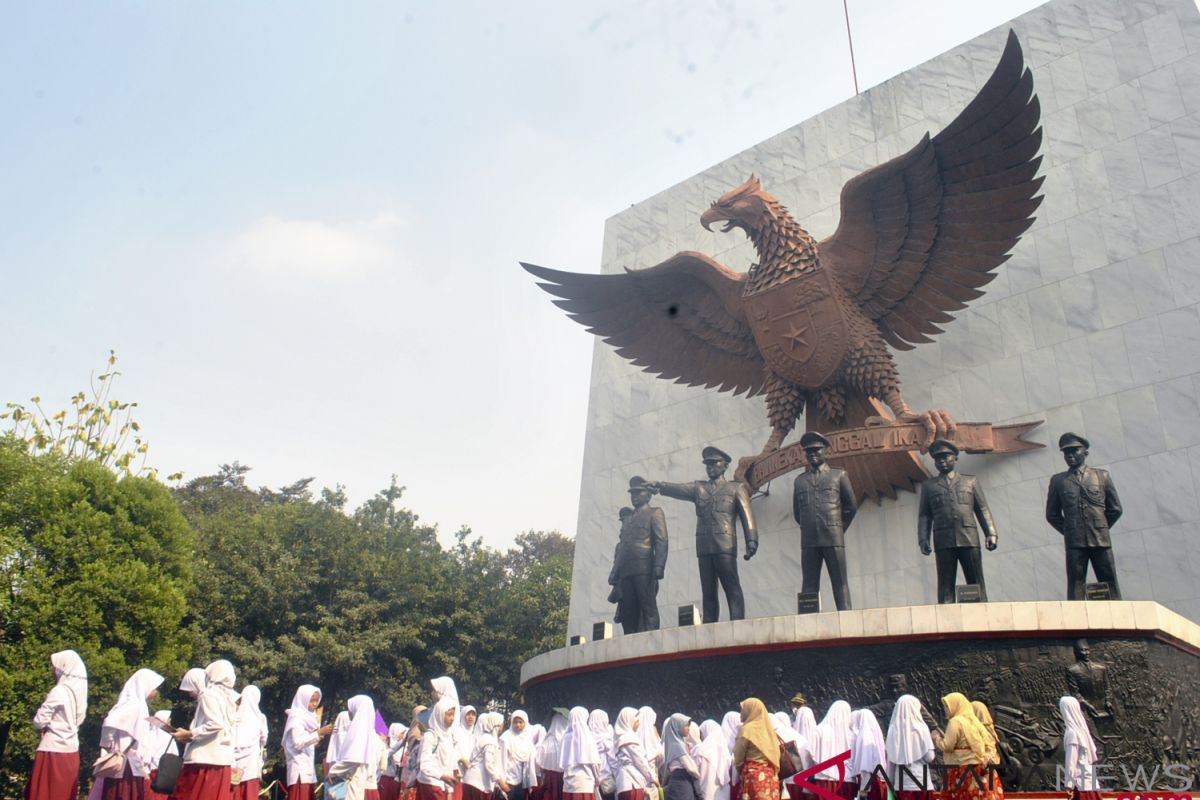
(809, 324)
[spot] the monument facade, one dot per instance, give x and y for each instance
(1092, 325)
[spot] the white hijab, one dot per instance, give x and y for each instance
(251, 722)
(464, 735)
(437, 722)
(713, 760)
(783, 728)
(833, 737)
(341, 724)
(652, 744)
(194, 682)
(360, 740)
(128, 714)
(518, 746)
(548, 747)
(578, 746)
(1079, 749)
(396, 733)
(299, 715)
(805, 724)
(444, 687)
(731, 723)
(601, 730)
(908, 739)
(71, 687)
(867, 748)
(624, 731)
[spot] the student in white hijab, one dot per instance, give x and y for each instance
(683, 776)
(602, 733)
(909, 747)
(193, 683)
(805, 724)
(157, 744)
(548, 757)
(867, 752)
(438, 767)
(714, 761)
(1079, 750)
(359, 752)
(579, 757)
(485, 769)
(635, 773)
(249, 739)
(833, 739)
(122, 729)
(652, 743)
(731, 723)
(55, 774)
(464, 734)
(389, 781)
(301, 733)
(517, 753)
(208, 758)
(444, 687)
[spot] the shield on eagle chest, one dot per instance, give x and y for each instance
(800, 328)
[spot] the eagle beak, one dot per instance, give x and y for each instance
(714, 214)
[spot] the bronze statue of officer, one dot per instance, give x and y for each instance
(639, 562)
(952, 512)
(823, 504)
(1082, 505)
(719, 504)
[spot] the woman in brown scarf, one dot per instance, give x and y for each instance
(756, 753)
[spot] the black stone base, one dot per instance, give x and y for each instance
(1142, 694)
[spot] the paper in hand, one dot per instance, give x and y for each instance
(162, 724)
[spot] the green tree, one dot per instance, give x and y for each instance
(88, 561)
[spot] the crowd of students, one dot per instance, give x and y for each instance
(450, 752)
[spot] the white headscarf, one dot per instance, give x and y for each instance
(128, 714)
(578, 745)
(341, 724)
(72, 688)
(251, 722)
(783, 728)
(675, 746)
(464, 735)
(359, 744)
(867, 748)
(805, 724)
(713, 760)
(518, 751)
(194, 681)
(548, 747)
(220, 673)
(908, 738)
(652, 743)
(623, 730)
(601, 730)
(396, 733)
(1079, 749)
(731, 723)
(444, 687)
(299, 715)
(833, 737)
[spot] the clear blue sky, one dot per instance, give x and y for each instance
(298, 224)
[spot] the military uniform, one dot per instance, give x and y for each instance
(823, 505)
(639, 563)
(1082, 505)
(951, 506)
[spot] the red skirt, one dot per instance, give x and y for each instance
(455, 791)
(55, 776)
(760, 781)
(632, 794)
(426, 791)
(470, 792)
(552, 785)
(247, 790)
(389, 788)
(1087, 794)
(370, 794)
(301, 791)
(970, 782)
(126, 787)
(203, 782)
(150, 794)
(579, 796)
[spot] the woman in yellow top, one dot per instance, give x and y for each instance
(756, 753)
(968, 748)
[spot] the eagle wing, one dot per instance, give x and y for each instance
(681, 319)
(921, 233)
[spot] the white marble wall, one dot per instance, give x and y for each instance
(1093, 325)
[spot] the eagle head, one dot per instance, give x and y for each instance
(747, 207)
